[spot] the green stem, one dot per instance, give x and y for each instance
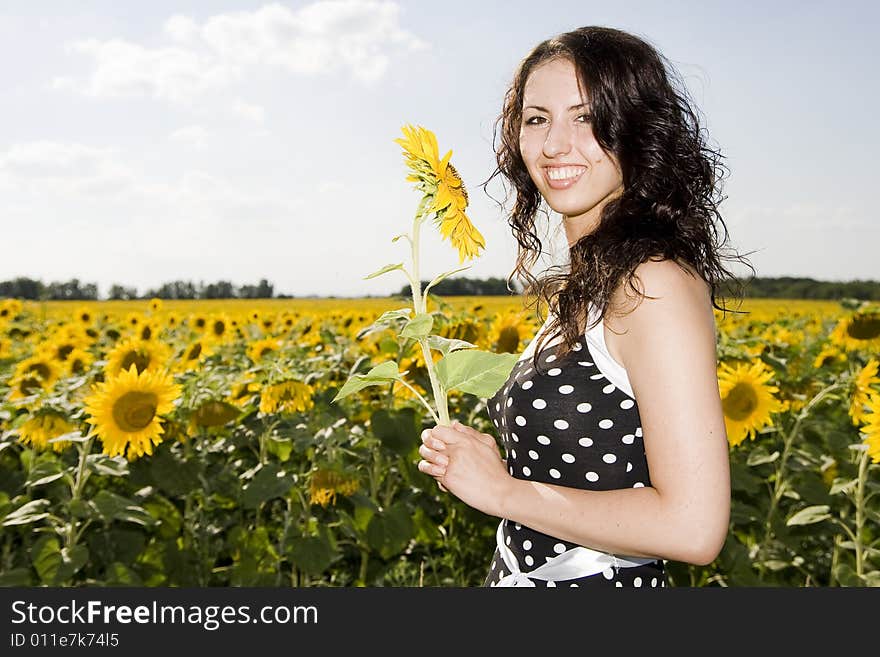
(79, 482)
(860, 512)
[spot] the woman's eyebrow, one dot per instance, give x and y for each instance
(544, 109)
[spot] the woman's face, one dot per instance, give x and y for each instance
(574, 175)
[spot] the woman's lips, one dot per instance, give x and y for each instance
(565, 183)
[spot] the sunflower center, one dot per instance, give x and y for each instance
(146, 333)
(194, 351)
(508, 340)
(40, 369)
(64, 351)
(740, 402)
(219, 328)
(134, 410)
(864, 327)
(266, 350)
(29, 386)
(139, 360)
(77, 366)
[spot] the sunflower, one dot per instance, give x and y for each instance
(155, 304)
(133, 320)
(148, 329)
(125, 410)
(747, 399)
(871, 428)
(197, 321)
(243, 392)
(211, 414)
(32, 375)
(828, 356)
(45, 425)
(286, 397)
(443, 188)
(324, 484)
(144, 354)
(172, 320)
(78, 362)
(84, 315)
(5, 348)
(259, 349)
(10, 309)
(218, 328)
(507, 332)
(862, 389)
(192, 356)
(860, 330)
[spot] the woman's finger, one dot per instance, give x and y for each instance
(429, 468)
(433, 455)
(430, 441)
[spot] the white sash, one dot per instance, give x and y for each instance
(572, 564)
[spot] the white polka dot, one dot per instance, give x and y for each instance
(528, 371)
(498, 407)
(527, 544)
(638, 484)
(559, 548)
(662, 583)
(609, 388)
(609, 458)
(566, 389)
(593, 377)
(637, 581)
(629, 466)
(639, 432)
(554, 372)
(627, 403)
(550, 358)
(560, 424)
(653, 581)
(575, 586)
(526, 471)
(628, 439)
(568, 458)
(539, 404)
(520, 420)
(555, 473)
(493, 568)
(496, 422)
(500, 575)
(618, 584)
(544, 440)
(585, 442)
(584, 363)
(507, 540)
(513, 453)
(577, 347)
(527, 384)
(606, 424)
(584, 407)
(491, 583)
(510, 469)
(515, 437)
(592, 476)
(529, 560)
(509, 401)
(608, 573)
(533, 454)
(551, 584)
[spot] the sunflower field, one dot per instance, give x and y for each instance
(194, 443)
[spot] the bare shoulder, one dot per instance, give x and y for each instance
(677, 302)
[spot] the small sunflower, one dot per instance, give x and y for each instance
(507, 332)
(84, 315)
(192, 355)
(829, 355)
(148, 329)
(144, 354)
(747, 399)
(858, 331)
(871, 428)
(125, 410)
(259, 349)
(155, 304)
(442, 185)
(324, 484)
(45, 425)
(286, 397)
(211, 414)
(38, 372)
(218, 328)
(133, 320)
(10, 308)
(78, 362)
(862, 389)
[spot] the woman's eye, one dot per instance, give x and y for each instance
(586, 117)
(532, 120)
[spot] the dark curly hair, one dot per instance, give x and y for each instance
(671, 180)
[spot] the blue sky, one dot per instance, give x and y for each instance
(149, 142)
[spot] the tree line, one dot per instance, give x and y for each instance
(786, 287)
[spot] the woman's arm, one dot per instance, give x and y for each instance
(669, 351)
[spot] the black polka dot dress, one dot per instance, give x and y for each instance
(569, 424)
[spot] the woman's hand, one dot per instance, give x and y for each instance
(467, 463)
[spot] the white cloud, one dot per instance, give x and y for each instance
(193, 135)
(247, 111)
(320, 38)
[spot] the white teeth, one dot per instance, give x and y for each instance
(564, 173)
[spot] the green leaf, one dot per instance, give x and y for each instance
(418, 327)
(111, 507)
(382, 373)
(16, 577)
(759, 456)
(311, 554)
(810, 515)
(384, 270)
(844, 486)
(118, 574)
(396, 429)
(46, 469)
(27, 513)
(55, 566)
(270, 481)
(280, 447)
(446, 274)
(480, 373)
(116, 466)
(174, 476)
(446, 345)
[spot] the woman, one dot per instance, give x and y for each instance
(617, 456)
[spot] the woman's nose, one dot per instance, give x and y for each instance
(558, 139)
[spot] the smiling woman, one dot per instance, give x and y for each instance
(611, 420)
